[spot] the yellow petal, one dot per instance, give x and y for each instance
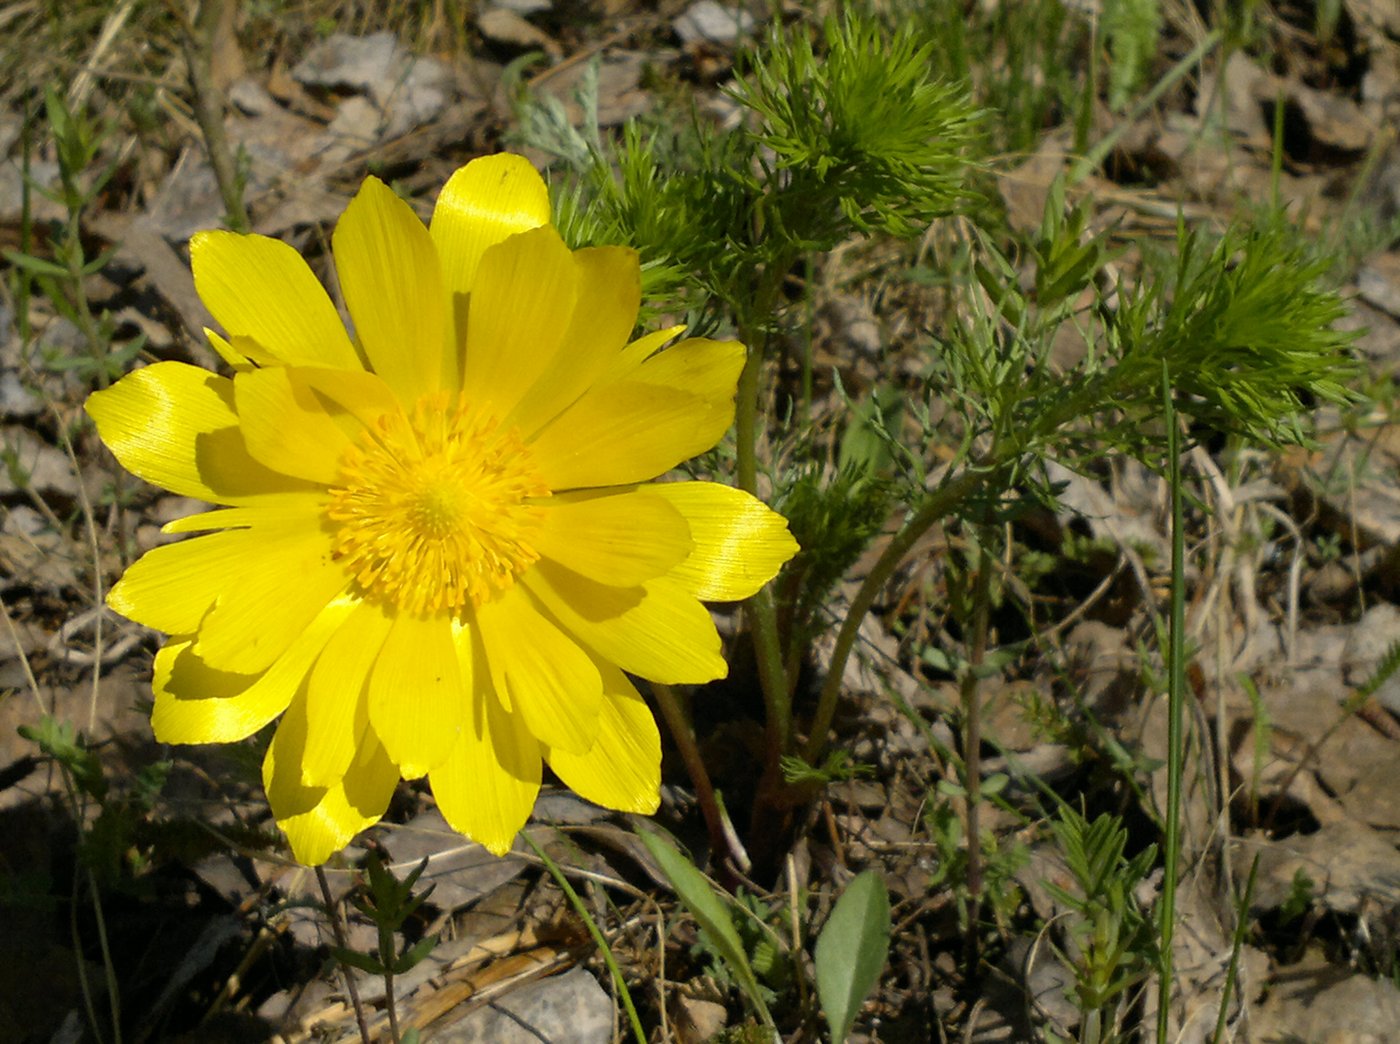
(286, 427)
(170, 588)
(621, 538)
(698, 365)
(676, 404)
(319, 821)
(337, 707)
(482, 204)
(174, 426)
(282, 587)
(198, 704)
(547, 679)
(609, 294)
(740, 543)
(658, 631)
(392, 283)
(416, 703)
(521, 304)
(272, 509)
(623, 770)
(260, 288)
(235, 359)
(487, 786)
(636, 353)
(627, 432)
(354, 399)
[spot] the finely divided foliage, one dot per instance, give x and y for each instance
(438, 547)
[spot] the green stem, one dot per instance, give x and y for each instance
(390, 1005)
(338, 930)
(938, 505)
(113, 990)
(563, 882)
(684, 738)
(1176, 701)
(1236, 947)
(972, 742)
(209, 111)
(762, 617)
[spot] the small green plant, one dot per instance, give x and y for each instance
(1130, 28)
(711, 912)
(62, 279)
(389, 903)
(1111, 940)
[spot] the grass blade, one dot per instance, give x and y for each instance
(706, 906)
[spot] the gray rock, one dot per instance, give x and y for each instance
(367, 64)
(16, 401)
(1378, 283)
(1366, 644)
(461, 871)
(571, 1007)
(43, 173)
(189, 201)
(525, 8)
(250, 97)
(34, 464)
(407, 90)
(1327, 1004)
(710, 22)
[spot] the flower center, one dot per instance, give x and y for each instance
(436, 509)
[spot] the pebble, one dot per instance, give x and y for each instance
(711, 22)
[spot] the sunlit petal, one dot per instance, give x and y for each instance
(392, 282)
(319, 821)
(261, 289)
(658, 630)
(482, 204)
(623, 537)
(739, 542)
(622, 770)
(415, 693)
(197, 704)
(487, 786)
(521, 305)
(548, 680)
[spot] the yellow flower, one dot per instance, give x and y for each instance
(439, 547)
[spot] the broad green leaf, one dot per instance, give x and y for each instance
(706, 906)
(851, 951)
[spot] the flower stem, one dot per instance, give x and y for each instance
(972, 742)
(209, 110)
(938, 504)
(722, 841)
(1176, 714)
(338, 930)
(762, 617)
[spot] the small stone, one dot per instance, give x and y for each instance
(43, 174)
(709, 22)
(570, 1007)
(1378, 283)
(525, 8)
(1368, 641)
(35, 465)
(344, 62)
(501, 25)
(695, 1020)
(16, 401)
(250, 97)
